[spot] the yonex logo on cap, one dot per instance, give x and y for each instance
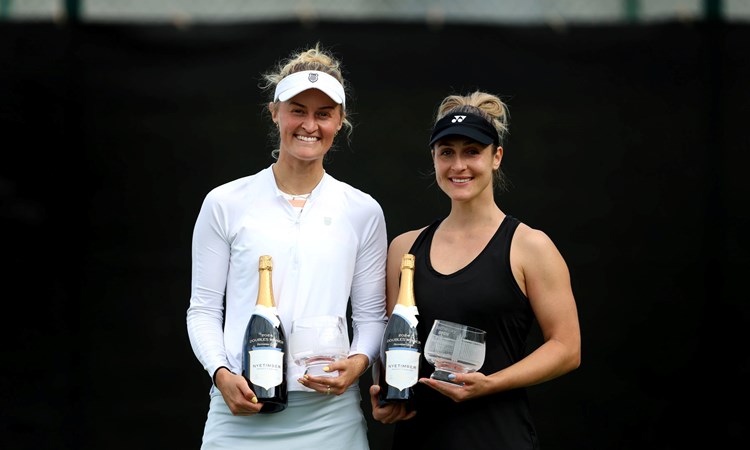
(470, 125)
(313, 77)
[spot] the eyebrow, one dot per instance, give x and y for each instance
(466, 142)
(305, 106)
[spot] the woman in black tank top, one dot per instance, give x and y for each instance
(483, 268)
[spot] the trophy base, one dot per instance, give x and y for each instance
(315, 368)
(442, 375)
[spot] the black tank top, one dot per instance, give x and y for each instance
(484, 294)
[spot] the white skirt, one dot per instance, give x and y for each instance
(310, 421)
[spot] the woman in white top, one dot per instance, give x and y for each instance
(328, 243)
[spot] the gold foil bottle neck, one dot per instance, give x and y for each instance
(407, 261)
(265, 263)
(265, 287)
(406, 287)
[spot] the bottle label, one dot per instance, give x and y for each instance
(266, 366)
(402, 367)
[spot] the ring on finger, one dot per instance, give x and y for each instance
(328, 391)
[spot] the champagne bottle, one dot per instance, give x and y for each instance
(264, 347)
(401, 348)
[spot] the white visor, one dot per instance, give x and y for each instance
(297, 82)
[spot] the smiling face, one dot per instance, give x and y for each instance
(464, 167)
(308, 123)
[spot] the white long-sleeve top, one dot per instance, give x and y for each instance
(332, 251)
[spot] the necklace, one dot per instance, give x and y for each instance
(293, 197)
(296, 200)
(289, 193)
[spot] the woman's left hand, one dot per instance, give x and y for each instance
(475, 385)
(349, 369)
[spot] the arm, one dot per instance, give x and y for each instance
(547, 282)
(205, 315)
(368, 290)
(543, 276)
(210, 263)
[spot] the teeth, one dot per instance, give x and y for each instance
(307, 138)
(460, 180)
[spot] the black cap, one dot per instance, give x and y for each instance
(468, 125)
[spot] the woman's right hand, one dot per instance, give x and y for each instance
(237, 394)
(390, 413)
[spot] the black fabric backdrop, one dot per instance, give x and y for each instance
(626, 147)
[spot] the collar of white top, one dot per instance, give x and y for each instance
(295, 197)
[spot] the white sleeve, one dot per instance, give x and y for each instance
(210, 263)
(368, 289)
